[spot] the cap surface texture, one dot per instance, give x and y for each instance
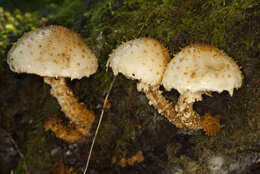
(201, 67)
(52, 51)
(143, 59)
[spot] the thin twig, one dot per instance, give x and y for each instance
(105, 102)
(19, 152)
(99, 122)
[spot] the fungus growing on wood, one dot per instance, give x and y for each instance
(199, 69)
(56, 53)
(196, 70)
(145, 59)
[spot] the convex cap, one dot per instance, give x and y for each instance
(144, 59)
(201, 67)
(52, 51)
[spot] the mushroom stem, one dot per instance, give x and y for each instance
(182, 115)
(70, 133)
(71, 107)
(163, 106)
(185, 112)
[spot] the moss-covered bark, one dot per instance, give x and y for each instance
(130, 124)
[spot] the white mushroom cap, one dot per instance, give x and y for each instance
(200, 67)
(52, 51)
(144, 59)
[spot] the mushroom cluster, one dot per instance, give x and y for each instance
(56, 53)
(197, 69)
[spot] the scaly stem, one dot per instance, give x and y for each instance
(75, 111)
(70, 133)
(163, 106)
(182, 115)
(185, 112)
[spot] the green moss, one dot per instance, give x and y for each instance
(12, 25)
(240, 130)
(230, 26)
(36, 157)
(104, 24)
(114, 136)
(50, 107)
(106, 133)
(67, 13)
(176, 23)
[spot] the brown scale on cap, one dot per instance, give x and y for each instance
(196, 70)
(55, 53)
(187, 70)
(130, 58)
(146, 58)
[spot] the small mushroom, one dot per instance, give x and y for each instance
(145, 59)
(56, 53)
(199, 69)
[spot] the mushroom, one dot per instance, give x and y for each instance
(55, 52)
(199, 69)
(196, 70)
(145, 59)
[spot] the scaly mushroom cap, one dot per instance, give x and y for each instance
(144, 59)
(201, 67)
(52, 51)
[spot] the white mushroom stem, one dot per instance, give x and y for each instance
(75, 111)
(167, 109)
(185, 112)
